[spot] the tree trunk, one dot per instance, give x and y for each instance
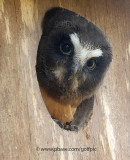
(26, 127)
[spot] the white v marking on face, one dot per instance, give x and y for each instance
(83, 53)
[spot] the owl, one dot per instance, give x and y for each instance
(72, 59)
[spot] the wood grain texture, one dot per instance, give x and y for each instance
(25, 123)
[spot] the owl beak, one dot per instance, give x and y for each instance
(74, 72)
(76, 68)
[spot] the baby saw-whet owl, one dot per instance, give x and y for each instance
(72, 59)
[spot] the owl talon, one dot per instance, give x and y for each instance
(70, 127)
(59, 123)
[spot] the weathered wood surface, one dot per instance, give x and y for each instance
(24, 121)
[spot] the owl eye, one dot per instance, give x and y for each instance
(66, 48)
(91, 64)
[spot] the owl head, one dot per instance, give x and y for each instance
(73, 56)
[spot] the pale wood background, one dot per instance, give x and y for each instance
(24, 121)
